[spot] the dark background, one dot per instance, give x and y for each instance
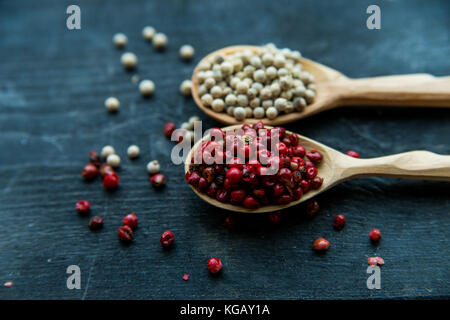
(53, 83)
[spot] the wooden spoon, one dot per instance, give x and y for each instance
(337, 167)
(333, 89)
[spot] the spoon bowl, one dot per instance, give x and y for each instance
(333, 89)
(337, 167)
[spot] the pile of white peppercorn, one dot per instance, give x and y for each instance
(248, 84)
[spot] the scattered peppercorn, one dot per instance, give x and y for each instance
(120, 40)
(125, 233)
(312, 207)
(113, 160)
(8, 284)
(96, 223)
(146, 87)
(153, 167)
(106, 169)
(133, 151)
(167, 239)
(186, 52)
(89, 171)
(339, 222)
(148, 33)
(111, 181)
(83, 206)
(275, 217)
(130, 220)
(186, 88)
(373, 261)
(321, 244)
(214, 265)
(107, 150)
(352, 153)
(94, 158)
(375, 235)
(129, 60)
(230, 222)
(159, 41)
(158, 180)
(169, 128)
(186, 277)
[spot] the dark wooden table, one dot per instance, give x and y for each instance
(53, 83)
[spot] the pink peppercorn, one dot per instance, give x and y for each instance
(167, 239)
(275, 217)
(230, 222)
(95, 223)
(125, 233)
(111, 181)
(8, 284)
(375, 261)
(214, 265)
(130, 220)
(158, 180)
(321, 244)
(186, 277)
(312, 207)
(89, 172)
(83, 206)
(339, 222)
(169, 128)
(375, 235)
(352, 153)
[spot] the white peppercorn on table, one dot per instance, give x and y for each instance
(337, 167)
(333, 89)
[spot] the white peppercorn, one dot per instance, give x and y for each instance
(193, 119)
(267, 59)
(107, 150)
(230, 100)
(252, 93)
(271, 113)
(257, 86)
(204, 65)
(129, 60)
(258, 112)
(202, 90)
(282, 72)
(242, 87)
(207, 99)
(153, 167)
(218, 105)
(187, 52)
(186, 87)
(238, 65)
(112, 104)
(285, 83)
(279, 61)
(309, 95)
(259, 75)
(280, 104)
(267, 104)
(133, 151)
(239, 113)
(230, 111)
(275, 89)
(146, 87)
(159, 41)
(226, 68)
(299, 104)
(255, 102)
(113, 160)
(289, 107)
(209, 83)
(187, 126)
(265, 93)
(242, 100)
(234, 82)
(217, 75)
(120, 40)
(148, 33)
(216, 91)
(256, 62)
(287, 94)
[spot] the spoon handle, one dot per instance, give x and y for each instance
(421, 90)
(414, 165)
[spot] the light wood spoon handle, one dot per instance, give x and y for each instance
(422, 90)
(414, 164)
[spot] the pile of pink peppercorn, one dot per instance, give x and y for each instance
(244, 178)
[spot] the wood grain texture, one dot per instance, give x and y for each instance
(53, 83)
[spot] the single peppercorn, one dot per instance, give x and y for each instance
(169, 128)
(113, 160)
(167, 239)
(352, 153)
(107, 150)
(129, 60)
(106, 169)
(112, 104)
(187, 52)
(111, 181)
(146, 87)
(312, 207)
(373, 261)
(158, 180)
(120, 40)
(83, 206)
(130, 220)
(214, 265)
(96, 223)
(375, 235)
(153, 167)
(275, 217)
(125, 233)
(321, 244)
(339, 222)
(133, 151)
(89, 171)
(94, 158)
